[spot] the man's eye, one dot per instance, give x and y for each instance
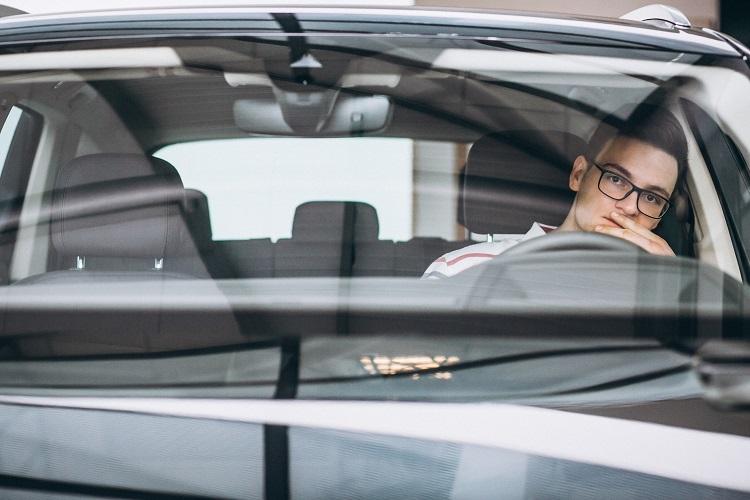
(652, 198)
(615, 179)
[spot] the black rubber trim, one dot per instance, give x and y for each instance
(276, 437)
(288, 380)
(199, 351)
(700, 123)
(276, 459)
(87, 490)
(622, 382)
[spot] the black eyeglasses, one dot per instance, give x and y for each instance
(618, 187)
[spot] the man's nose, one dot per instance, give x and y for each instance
(629, 204)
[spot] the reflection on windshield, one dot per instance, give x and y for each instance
(386, 365)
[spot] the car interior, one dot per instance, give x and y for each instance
(85, 195)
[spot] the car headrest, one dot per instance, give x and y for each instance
(123, 205)
(514, 178)
(327, 221)
(198, 218)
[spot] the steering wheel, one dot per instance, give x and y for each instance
(574, 240)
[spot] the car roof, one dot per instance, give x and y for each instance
(145, 22)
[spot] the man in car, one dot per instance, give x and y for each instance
(623, 184)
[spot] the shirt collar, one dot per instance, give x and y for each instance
(537, 230)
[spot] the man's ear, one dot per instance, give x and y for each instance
(580, 165)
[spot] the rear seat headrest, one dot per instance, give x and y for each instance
(326, 221)
(514, 178)
(123, 205)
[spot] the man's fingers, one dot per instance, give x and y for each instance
(654, 245)
(629, 223)
(625, 234)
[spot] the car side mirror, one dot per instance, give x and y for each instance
(723, 368)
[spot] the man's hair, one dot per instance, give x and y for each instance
(648, 123)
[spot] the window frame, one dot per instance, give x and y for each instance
(14, 181)
(726, 166)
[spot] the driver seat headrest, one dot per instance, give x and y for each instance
(515, 178)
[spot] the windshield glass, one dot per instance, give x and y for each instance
(356, 217)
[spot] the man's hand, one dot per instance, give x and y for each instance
(635, 233)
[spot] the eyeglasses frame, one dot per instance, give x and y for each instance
(634, 189)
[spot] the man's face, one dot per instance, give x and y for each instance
(645, 166)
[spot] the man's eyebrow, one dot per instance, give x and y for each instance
(624, 171)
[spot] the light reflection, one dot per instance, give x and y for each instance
(379, 364)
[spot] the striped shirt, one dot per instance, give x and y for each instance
(462, 259)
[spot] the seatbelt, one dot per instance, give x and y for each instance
(345, 265)
(347, 240)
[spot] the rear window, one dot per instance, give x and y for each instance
(256, 184)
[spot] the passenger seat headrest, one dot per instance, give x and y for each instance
(119, 205)
(515, 178)
(327, 220)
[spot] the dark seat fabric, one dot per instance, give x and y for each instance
(374, 258)
(198, 219)
(515, 178)
(119, 213)
(245, 258)
(325, 240)
(123, 214)
(198, 239)
(320, 246)
(122, 205)
(329, 221)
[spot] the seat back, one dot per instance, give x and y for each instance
(117, 213)
(199, 254)
(325, 240)
(515, 178)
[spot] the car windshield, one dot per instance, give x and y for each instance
(269, 215)
(367, 253)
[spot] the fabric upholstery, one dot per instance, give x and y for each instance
(198, 219)
(117, 205)
(515, 178)
(326, 221)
